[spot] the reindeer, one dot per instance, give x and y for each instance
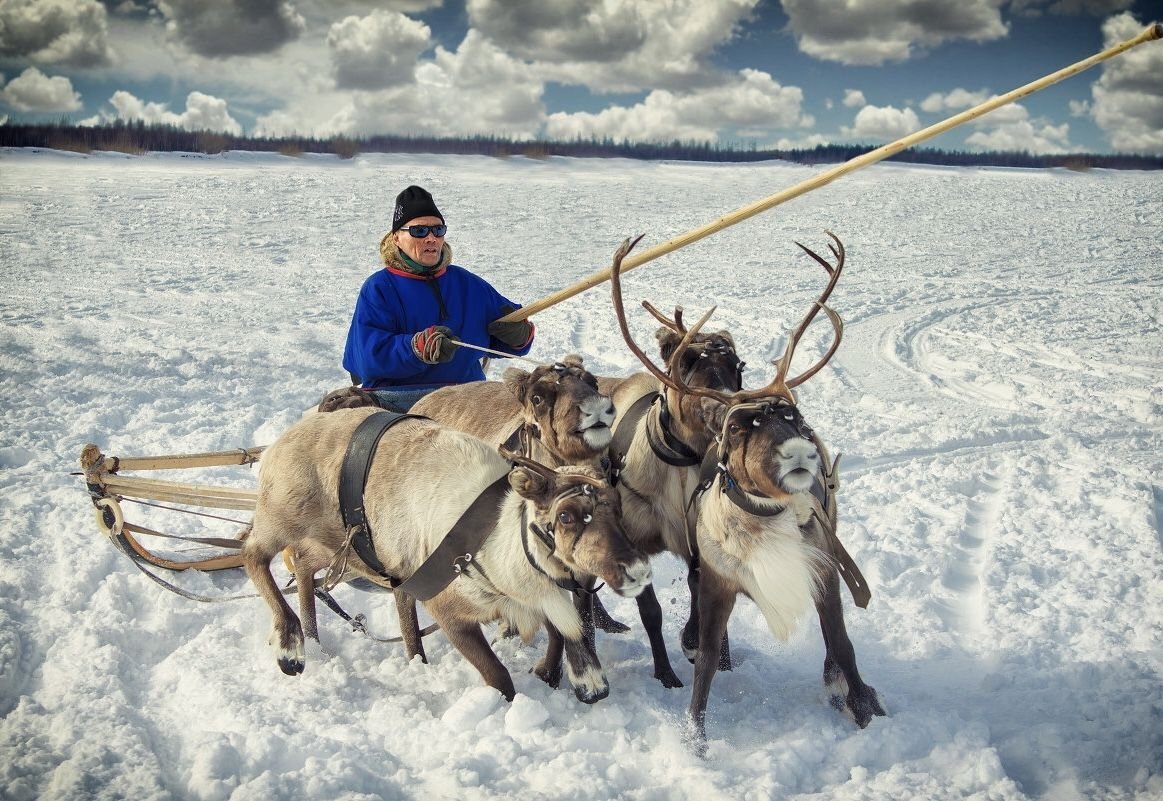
(553, 403)
(761, 531)
(550, 525)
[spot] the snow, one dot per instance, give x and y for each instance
(997, 399)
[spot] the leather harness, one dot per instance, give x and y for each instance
(454, 553)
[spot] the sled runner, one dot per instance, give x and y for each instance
(108, 488)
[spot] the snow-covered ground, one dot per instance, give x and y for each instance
(997, 399)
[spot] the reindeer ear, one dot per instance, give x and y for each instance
(530, 484)
(713, 414)
(517, 380)
(725, 334)
(573, 360)
(667, 341)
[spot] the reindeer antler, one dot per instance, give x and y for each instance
(620, 311)
(780, 385)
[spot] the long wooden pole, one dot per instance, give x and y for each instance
(1153, 32)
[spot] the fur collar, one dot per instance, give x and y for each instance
(394, 260)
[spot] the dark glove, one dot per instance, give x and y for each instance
(512, 334)
(434, 344)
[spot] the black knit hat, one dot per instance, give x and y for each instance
(413, 202)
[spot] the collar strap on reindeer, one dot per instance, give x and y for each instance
(357, 463)
(823, 492)
(570, 584)
(624, 434)
(521, 440)
(670, 448)
(457, 551)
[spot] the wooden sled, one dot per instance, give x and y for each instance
(108, 488)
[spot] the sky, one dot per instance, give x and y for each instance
(997, 399)
(744, 73)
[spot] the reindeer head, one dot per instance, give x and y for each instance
(562, 403)
(766, 447)
(577, 516)
(763, 440)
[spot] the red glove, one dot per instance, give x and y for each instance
(434, 344)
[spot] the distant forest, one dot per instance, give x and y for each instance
(139, 137)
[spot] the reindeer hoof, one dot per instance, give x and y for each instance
(291, 665)
(861, 707)
(669, 680)
(549, 675)
(690, 642)
(591, 695)
(865, 706)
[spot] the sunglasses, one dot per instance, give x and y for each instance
(421, 231)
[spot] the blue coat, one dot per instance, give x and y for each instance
(393, 305)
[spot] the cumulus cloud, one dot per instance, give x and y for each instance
(71, 33)
(617, 45)
(1011, 128)
(882, 123)
(1128, 96)
(203, 113)
(223, 28)
(476, 90)
(32, 90)
(801, 143)
(854, 98)
(752, 99)
(873, 32)
(376, 51)
(953, 101)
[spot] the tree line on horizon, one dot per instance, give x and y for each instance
(139, 137)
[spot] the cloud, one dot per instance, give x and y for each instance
(72, 33)
(376, 51)
(752, 99)
(882, 123)
(954, 100)
(223, 28)
(203, 112)
(873, 32)
(1010, 128)
(1128, 96)
(32, 90)
(802, 143)
(617, 45)
(854, 98)
(478, 90)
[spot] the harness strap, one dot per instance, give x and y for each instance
(823, 499)
(357, 463)
(624, 432)
(670, 448)
(459, 547)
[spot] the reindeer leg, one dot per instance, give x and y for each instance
(847, 691)
(716, 601)
(466, 636)
(651, 613)
(549, 668)
(585, 604)
(585, 671)
(305, 586)
(286, 631)
(690, 632)
(603, 620)
(409, 626)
